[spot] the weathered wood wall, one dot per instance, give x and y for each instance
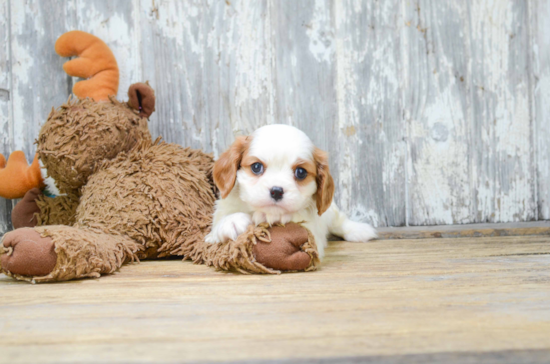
(434, 112)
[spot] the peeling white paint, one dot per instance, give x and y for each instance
(319, 31)
(22, 65)
(346, 94)
(5, 103)
(253, 68)
(111, 26)
(361, 213)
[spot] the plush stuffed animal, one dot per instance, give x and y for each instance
(122, 197)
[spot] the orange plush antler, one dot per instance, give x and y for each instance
(17, 177)
(96, 62)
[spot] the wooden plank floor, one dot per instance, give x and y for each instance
(422, 300)
(465, 230)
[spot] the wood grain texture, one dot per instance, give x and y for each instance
(368, 150)
(470, 136)
(210, 64)
(465, 230)
(391, 298)
(539, 28)
(6, 126)
(435, 111)
(502, 136)
(38, 80)
(432, 112)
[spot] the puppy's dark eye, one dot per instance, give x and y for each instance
(257, 168)
(300, 173)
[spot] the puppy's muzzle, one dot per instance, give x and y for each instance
(277, 193)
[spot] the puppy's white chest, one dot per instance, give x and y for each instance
(259, 217)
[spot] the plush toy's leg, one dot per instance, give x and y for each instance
(24, 213)
(60, 253)
(262, 249)
(35, 209)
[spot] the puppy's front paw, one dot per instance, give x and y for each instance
(359, 232)
(229, 228)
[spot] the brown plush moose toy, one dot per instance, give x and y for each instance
(122, 197)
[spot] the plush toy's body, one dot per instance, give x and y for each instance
(123, 197)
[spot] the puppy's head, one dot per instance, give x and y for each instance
(278, 171)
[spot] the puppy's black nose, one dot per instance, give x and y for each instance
(277, 193)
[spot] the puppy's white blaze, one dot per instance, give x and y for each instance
(279, 147)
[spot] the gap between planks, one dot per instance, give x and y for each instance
(466, 230)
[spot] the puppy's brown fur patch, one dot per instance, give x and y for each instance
(248, 161)
(226, 167)
(325, 183)
(311, 169)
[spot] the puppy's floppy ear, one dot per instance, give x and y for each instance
(325, 183)
(225, 168)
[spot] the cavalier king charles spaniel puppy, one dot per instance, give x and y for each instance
(278, 175)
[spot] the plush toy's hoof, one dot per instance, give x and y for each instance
(23, 213)
(26, 253)
(284, 251)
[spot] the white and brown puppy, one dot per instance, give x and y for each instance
(278, 175)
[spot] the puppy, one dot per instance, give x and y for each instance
(278, 175)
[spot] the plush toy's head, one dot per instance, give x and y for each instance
(93, 127)
(82, 133)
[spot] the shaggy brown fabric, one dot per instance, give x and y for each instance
(23, 214)
(127, 198)
(86, 253)
(157, 194)
(241, 255)
(27, 253)
(82, 133)
(60, 210)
